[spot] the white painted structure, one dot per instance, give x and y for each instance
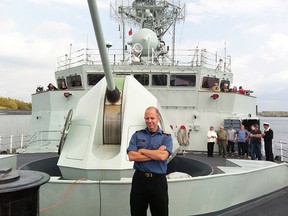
(244, 181)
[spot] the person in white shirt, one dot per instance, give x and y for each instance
(231, 140)
(211, 139)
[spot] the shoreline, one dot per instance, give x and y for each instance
(273, 114)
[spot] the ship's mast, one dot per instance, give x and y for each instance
(155, 15)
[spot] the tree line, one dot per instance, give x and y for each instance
(12, 104)
(273, 113)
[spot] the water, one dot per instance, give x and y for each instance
(13, 129)
(279, 126)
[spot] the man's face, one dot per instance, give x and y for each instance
(151, 119)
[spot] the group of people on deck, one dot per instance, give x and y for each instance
(225, 88)
(248, 143)
(51, 87)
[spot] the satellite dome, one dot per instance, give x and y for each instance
(147, 39)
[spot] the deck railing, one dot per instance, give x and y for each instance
(280, 149)
(10, 144)
(187, 57)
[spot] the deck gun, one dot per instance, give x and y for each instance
(96, 137)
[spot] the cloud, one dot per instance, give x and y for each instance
(278, 46)
(207, 9)
(100, 3)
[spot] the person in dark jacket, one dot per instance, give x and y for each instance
(268, 137)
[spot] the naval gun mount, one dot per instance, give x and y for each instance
(98, 133)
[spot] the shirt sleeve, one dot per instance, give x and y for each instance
(168, 143)
(133, 143)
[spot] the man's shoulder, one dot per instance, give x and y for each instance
(166, 133)
(140, 131)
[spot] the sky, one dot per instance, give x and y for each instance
(33, 33)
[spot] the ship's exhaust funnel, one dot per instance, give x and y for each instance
(113, 94)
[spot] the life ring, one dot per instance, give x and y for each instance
(182, 136)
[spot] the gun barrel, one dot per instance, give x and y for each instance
(101, 44)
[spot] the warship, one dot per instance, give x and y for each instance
(89, 123)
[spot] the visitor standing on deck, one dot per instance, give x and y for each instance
(211, 136)
(255, 142)
(242, 137)
(149, 149)
(222, 140)
(268, 137)
(231, 140)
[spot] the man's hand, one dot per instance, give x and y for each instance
(162, 148)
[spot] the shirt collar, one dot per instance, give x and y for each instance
(159, 131)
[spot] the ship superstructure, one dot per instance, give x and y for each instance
(181, 80)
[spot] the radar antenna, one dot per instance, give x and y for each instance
(155, 15)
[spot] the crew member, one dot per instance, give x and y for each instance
(149, 149)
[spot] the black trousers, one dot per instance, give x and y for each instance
(241, 148)
(149, 191)
(268, 151)
(230, 146)
(210, 148)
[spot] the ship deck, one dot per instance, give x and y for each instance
(271, 204)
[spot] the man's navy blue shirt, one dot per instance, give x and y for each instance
(143, 139)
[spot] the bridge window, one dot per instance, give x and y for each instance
(142, 78)
(74, 81)
(182, 80)
(93, 79)
(208, 82)
(159, 80)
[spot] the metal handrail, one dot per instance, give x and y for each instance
(187, 57)
(9, 144)
(38, 138)
(282, 148)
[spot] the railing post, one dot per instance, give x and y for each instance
(41, 139)
(11, 144)
(281, 151)
(21, 143)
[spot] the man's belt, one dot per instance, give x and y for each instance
(149, 175)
